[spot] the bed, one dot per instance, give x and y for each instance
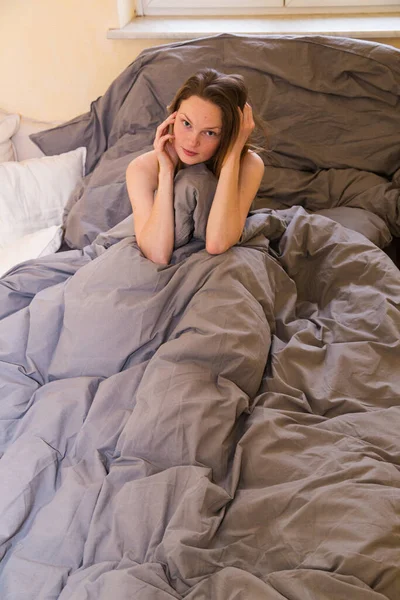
(226, 426)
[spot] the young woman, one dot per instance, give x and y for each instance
(210, 122)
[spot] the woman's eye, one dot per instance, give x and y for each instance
(186, 123)
(210, 133)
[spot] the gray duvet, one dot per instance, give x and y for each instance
(225, 427)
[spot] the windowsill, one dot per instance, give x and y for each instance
(363, 26)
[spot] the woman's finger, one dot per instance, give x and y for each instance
(166, 138)
(248, 110)
(248, 116)
(159, 144)
(163, 127)
(170, 119)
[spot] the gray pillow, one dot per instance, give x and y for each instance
(362, 221)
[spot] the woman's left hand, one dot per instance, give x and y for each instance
(246, 126)
(245, 129)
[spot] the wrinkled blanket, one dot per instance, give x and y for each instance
(225, 427)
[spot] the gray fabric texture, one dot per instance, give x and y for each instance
(332, 132)
(223, 427)
(363, 221)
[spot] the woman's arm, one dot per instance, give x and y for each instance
(154, 211)
(237, 186)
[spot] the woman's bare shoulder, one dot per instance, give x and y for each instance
(253, 157)
(148, 160)
(143, 171)
(253, 161)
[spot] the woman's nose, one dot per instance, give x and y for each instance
(194, 139)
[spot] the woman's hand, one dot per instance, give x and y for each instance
(246, 126)
(164, 144)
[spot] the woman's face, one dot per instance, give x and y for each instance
(197, 130)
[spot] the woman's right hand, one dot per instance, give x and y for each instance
(164, 144)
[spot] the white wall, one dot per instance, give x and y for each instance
(55, 57)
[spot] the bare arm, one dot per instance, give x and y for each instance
(154, 211)
(237, 186)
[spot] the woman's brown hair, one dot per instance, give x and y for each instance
(228, 92)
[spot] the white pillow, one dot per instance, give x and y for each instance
(8, 127)
(33, 245)
(34, 192)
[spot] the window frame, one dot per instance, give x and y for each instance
(257, 7)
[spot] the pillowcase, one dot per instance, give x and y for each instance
(34, 192)
(8, 127)
(33, 245)
(363, 221)
(24, 147)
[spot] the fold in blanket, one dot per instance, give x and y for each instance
(332, 187)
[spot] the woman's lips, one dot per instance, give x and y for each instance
(189, 153)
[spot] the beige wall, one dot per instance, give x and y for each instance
(55, 57)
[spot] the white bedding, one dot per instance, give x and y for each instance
(34, 245)
(33, 192)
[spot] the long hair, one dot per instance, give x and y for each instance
(226, 91)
